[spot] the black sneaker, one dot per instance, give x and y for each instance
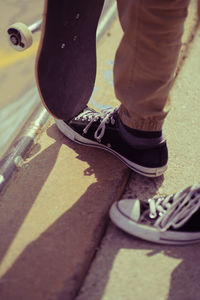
(174, 219)
(105, 130)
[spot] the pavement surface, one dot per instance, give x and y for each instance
(57, 242)
(18, 95)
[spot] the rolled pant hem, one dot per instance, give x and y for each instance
(141, 124)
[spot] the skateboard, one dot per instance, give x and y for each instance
(65, 66)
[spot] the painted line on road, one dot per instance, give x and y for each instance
(8, 58)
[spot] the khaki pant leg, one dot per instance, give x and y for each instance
(146, 59)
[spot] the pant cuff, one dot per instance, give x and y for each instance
(145, 124)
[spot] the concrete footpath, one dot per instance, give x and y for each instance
(56, 240)
(128, 268)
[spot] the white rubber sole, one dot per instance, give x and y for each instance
(74, 136)
(149, 233)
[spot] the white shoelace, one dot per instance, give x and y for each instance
(175, 210)
(105, 117)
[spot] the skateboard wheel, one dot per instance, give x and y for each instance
(19, 36)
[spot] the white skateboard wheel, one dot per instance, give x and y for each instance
(19, 36)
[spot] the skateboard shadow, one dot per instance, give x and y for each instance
(39, 269)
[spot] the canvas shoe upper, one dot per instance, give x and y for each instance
(105, 130)
(174, 219)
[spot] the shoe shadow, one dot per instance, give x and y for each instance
(43, 259)
(136, 269)
(44, 256)
(16, 204)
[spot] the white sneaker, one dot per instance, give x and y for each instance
(174, 219)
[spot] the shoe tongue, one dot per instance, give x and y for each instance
(131, 208)
(89, 109)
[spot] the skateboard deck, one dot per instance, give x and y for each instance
(66, 58)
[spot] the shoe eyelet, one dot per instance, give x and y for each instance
(152, 216)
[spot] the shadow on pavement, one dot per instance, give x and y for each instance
(129, 268)
(53, 265)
